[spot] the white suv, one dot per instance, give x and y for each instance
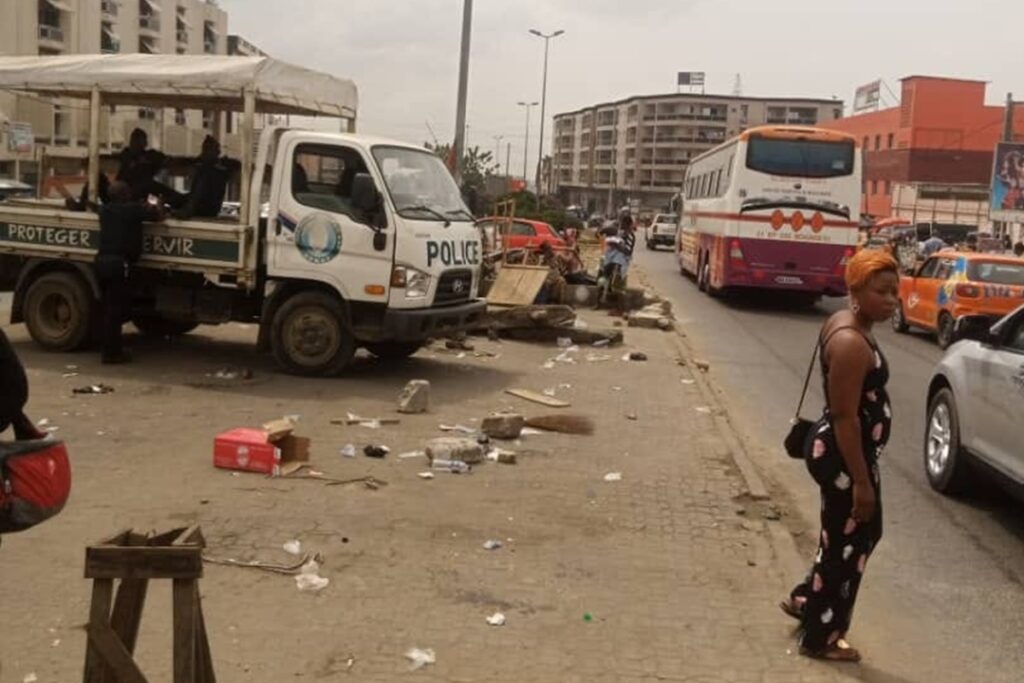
(662, 230)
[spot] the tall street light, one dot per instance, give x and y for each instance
(497, 151)
(543, 96)
(459, 144)
(526, 143)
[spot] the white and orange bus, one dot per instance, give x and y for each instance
(776, 208)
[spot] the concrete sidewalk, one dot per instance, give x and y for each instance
(668, 574)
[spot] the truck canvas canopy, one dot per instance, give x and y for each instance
(201, 81)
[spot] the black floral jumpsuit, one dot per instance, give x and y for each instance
(826, 597)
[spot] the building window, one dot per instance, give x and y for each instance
(887, 188)
(110, 42)
(874, 187)
(892, 140)
(179, 117)
(865, 145)
(210, 37)
(208, 119)
(878, 142)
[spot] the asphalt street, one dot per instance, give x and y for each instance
(943, 599)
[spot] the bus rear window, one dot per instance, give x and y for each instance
(800, 158)
(996, 273)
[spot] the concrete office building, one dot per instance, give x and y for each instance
(59, 133)
(637, 150)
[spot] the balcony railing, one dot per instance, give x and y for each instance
(721, 118)
(210, 47)
(110, 8)
(182, 34)
(52, 33)
(149, 22)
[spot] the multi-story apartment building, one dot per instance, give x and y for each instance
(57, 27)
(637, 149)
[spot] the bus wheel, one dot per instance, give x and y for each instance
(59, 310)
(704, 275)
(310, 335)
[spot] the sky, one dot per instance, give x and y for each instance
(404, 54)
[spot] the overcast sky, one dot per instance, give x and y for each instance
(403, 54)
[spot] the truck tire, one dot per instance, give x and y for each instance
(60, 311)
(310, 335)
(159, 326)
(394, 351)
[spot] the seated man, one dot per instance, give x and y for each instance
(139, 167)
(209, 182)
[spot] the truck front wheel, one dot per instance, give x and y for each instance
(310, 335)
(59, 310)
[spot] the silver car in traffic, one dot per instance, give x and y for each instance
(976, 405)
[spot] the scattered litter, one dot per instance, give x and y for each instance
(309, 579)
(348, 450)
(702, 365)
(597, 358)
(566, 356)
(635, 356)
(613, 476)
(458, 345)
(564, 342)
(588, 617)
(632, 416)
(55, 643)
(704, 410)
(457, 428)
(412, 454)
(290, 570)
(229, 373)
(486, 354)
(70, 367)
(293, 547)
(293, 418)
(42, 423)
(425, 475)
(772, 515)
(500, 455)
(496, 619)
(371, 422)
(751, 563)
(420, 658)
(492, 544)
(616, 388)
(415, 397)
(580, 324)
(549, 365)
(452, 466)
(30, 678)
(461, 355)
(533, 396)
(688, 381)
(468, 451)
(68, 375)
(550, 391)
(373, 451)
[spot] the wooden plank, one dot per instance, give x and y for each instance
(124, 669)
(538, 398)
(189, 536)
(127, 614)
(204, 667)
(517, 285)
(143, 563)
(184, 608)
(166, 538)
(99, 613)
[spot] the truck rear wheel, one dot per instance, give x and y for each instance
(159, 326)
(310, 335)
(393, 351)
(59, 310)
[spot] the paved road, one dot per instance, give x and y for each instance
(944, 599)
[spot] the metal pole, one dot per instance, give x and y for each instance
(94, 145)
(248, 123)
(1008, 119)
(543, 108)
(460, 110)
(508, 155)
(526, 145)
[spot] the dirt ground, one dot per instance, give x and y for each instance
(667, 574)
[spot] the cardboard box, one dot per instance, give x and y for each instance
(273, 450)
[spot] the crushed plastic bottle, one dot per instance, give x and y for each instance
(293, 547)
(420, 658)
(309, 579)
(348, 450)
(453, 466)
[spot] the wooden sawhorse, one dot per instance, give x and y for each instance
(133, 559)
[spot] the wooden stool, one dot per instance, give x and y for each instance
(134, 559)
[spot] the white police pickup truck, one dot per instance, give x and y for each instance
(341, 241)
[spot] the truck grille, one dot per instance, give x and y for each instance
(454, 286)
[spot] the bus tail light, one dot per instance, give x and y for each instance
(847, 255)
(966, 291)
(736, 255)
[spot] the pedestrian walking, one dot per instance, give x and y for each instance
(1018, 249)
(120, 247)
(842, 453)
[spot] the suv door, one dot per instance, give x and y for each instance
(1000, 430)
(914, 298)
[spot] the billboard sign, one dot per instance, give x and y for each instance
(868, 97)
(690, 78)
(1007, 196)
(19, 138)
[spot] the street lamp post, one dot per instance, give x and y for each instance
(459, 144)
(543, 96)
(497, 151)
(526, 143)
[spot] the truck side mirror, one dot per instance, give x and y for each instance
(365, 196)
(380, 240)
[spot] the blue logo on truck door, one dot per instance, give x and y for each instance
(318, 237)
(452, 253)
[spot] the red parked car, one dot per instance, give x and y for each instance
(523, 234)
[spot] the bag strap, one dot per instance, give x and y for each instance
(807, 379)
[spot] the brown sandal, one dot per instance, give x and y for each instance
(840, 652)
(790, 609)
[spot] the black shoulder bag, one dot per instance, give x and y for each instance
(800, 428)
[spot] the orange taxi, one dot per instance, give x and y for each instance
(952, 284)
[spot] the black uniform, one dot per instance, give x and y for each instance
(120, 247)
(208, 187)
(13, 385)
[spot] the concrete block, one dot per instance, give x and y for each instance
(415, 398)
(503, 425)
(455, 448)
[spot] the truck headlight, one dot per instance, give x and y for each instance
(417, 284)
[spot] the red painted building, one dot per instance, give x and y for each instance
(942, 132)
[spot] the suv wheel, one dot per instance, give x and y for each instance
(943, 457)
(944, 332)
(899, 321)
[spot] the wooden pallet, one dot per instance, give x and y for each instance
(132, 559)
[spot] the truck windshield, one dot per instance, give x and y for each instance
(800, 158)
(419, 184)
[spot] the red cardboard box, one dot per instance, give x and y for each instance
(271, 450)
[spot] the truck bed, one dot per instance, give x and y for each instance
(35, 229)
